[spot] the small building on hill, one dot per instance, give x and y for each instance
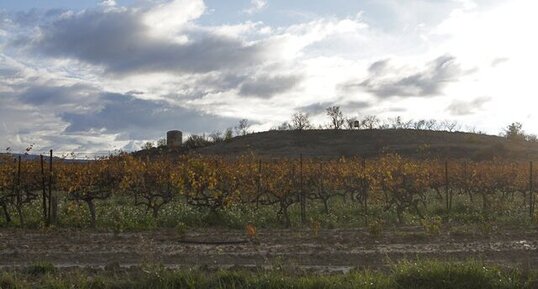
(174, 139)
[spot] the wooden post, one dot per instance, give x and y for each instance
(51, 221)
(18, 195)
(447, 194)
(303, 197)
(321, 189)
(531, 189)
(259, 187)
(44, 187)
(321, 175)
(365, 192)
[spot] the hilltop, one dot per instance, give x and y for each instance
(370, 143)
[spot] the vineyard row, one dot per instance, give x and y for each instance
(389, 181)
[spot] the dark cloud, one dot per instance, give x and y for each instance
(354, 105)
(135, 118)
(220, 82)
(428, 82)
(321, 107)
(120, 42)
(35, 17)
(459, 107)
(7, 71)
(315, 108)
(134, 92)
(378, 67)
(268, 86)
(85, 118)
(77, 94)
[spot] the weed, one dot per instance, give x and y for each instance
(181, 229)
(40, 268)
(432, 226)
(375, 228)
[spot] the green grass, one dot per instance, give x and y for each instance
(405, 275)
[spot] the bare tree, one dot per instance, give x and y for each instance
(431, 124)
(531, 138)
(370, 122)
(284, 126)
(216, 137)
(300, 121)
(228, 134)
(196, 141)
(383, 125)
(449, 125)
(353, 123)
(336, 116)
(242, 127)
(514, 131)
(148, 145)
(399, 123)
(161, 143)
(419, 124)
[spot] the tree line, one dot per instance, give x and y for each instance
(338, 121)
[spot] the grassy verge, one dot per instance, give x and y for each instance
(404, 275)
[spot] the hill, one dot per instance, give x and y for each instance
(370, 143)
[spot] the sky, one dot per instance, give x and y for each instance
(91, 76)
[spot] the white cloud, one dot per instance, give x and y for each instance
(170, 17)
(256, 6)
(467, 4)
(108, 3)
(482, 37)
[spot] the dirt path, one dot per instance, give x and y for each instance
(330, 250)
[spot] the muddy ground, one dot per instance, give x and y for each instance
(330, 250)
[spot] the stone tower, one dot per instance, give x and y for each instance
(174, 139)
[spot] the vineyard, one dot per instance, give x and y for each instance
(125, 191)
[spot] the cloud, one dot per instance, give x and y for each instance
(116, 74)
(135, 118)
(39, 95)
(378, 67)
(256, 6)
(459, 107)
(170, 16)
(21, 125)
(83, 118)
(321, 107)
(7, 71)
(108, 3)
(467, 4)
(120, 41)
(268, 86)
(499, 61)
(386, 81)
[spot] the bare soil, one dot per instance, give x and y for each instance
(330, 250)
